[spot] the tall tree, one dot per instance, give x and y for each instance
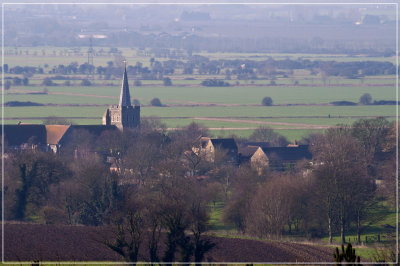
(31, 176)
(340, 175)
(371, 134)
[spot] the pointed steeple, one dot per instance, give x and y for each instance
(125, 98)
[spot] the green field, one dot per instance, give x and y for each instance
(220, 95)
(92, 115)
(187, 101)
(381, 220)
(379, 217)
(227, 111)
(213, 111)
(281, 56)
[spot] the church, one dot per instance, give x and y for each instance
(122, 116)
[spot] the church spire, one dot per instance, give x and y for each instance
(125, 98)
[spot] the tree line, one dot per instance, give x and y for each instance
(242, 69)
(155, 182)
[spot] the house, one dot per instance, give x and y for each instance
(262, 144)
(275, 158)
(218, 150)
(246, 153)
(283, 158)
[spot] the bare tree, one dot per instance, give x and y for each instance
(237, 206)
(194, 162)
(371, 134)
(269, 210)
(175, 219)
(267, 134)
(140, 161)
(28, 181)
(55, 120)
(96, 195)
(199, 217)
(151, 124)
(153, 220)
(128, 237)
(340, 175)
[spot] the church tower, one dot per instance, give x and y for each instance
(123, 115)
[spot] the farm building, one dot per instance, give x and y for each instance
(259, 156)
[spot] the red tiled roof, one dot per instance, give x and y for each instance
(55, 133)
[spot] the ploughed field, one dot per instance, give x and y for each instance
(28, 242)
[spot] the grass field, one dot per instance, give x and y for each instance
(220, 95)
(282, 56)
(213, 111)
(381, 220)
(309, 115)
(383, 214)
(187, 101)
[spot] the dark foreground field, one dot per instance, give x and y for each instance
(27, 242)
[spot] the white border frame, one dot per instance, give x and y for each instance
(141, 3)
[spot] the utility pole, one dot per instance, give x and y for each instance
(90, 55)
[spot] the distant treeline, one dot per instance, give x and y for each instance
(243, 69)
(193, 42)
(348, 103)
(385, 102)
(19, 104)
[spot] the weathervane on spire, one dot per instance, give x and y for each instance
(124, 62)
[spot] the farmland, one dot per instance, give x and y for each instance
(86, 243)
(298, 96)
(270, 78)
(245, 94)
(63, 55)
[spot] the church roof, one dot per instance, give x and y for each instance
(95, 130)
(125, 98)
(62, 134)
(55, 133)
(16, 135)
